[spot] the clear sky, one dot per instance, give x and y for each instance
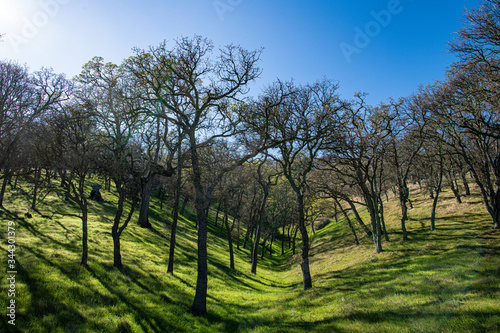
(386, 48)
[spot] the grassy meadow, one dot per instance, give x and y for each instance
(442, 281)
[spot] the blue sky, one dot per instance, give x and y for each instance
(386, 48)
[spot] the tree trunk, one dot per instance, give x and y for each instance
(271, 246)
(455, 191)
(238, 240)
(337, 204)
(465, 183)
(147, 185)
(175, 217)
(117, 257)
(358, 218)
(199, 306)
(255, 250)
(184, 203)
(247, 236)
(496, 219)
(436, 196)
(306, 273)
(217, 214)
(375, 221)
(382, 220)
(85, 235)
(229, 240)
(263, 252)
(403, 199)
(293, 240)
(2, 190)
(117, 230)
(283, 239)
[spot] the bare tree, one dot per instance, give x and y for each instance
(306, 124)
(200, 94)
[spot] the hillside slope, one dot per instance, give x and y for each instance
(442, 281)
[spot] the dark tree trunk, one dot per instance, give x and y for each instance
(403, 199)
(283, 239)
(36, 185)
(455, 190)
(85, 235)
(465, 183)
(199, 306)
(436, 195)
(433, 212)
(147, 185)
(229, 240)
(63, 177)
(238, 240)
(496, 219)
(2, 190)
(184, 203)
(255, 250)
(15, 182)
(382, 220)
(247, 236)
(349, 223)
(217, 214)
(375, 221)
(359, 220)
(271, 246)
(263, 252)
(175, 217)
(293, 240)
(306, 273)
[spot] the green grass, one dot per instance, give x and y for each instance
(442, 281)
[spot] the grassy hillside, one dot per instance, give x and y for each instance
(442, 281)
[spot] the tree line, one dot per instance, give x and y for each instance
(178, 120)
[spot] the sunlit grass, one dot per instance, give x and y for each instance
(443, 281)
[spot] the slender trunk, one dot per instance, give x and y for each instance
(337, 204)
(199, 306)
(455, 191)
(358, 218)
(433, 212)
(184, 203)
(375, 220)
(382, 219)
(15, 182)
(283, 239)
(255, 250)
(306, 273)
(117, 257)
(403, 199)
(247, 236)
(293, 240)
(2, 190)
(238, 239)
(117, 230)
(217, 214)
(264, 247)
(229, 240)
(175, 217)
(36, 185)
(271, 246)
(147, 185)
(436, 196)
(63, 177)
(85, 234)
(465, 183)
